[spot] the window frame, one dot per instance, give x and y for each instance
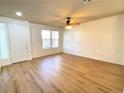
(51, 42)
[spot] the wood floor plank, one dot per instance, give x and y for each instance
(62, 73)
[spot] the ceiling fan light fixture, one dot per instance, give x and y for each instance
(71, 21)
(68, 27)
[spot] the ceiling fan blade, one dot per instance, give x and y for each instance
(90, 17)
(75, 24)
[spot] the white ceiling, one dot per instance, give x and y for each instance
(54, 12)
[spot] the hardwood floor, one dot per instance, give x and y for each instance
(62, 73)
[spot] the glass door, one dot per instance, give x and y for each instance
(4, 45)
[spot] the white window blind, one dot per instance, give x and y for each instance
(50, 39)
(46, 39)
(55, 39)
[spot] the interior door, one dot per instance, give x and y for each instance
(18, 42)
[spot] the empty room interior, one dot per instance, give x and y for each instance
(61, 46)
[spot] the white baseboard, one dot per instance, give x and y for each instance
(111, 62)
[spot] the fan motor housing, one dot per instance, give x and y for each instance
(68, 20)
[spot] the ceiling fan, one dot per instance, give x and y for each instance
(70, 22)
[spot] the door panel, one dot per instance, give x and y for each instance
(4, 45)
(18, 41)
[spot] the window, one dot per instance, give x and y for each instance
(50, 39)
(55, 39)
(46, 39)
(4, 52)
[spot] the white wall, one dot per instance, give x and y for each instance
(100, 39)
(37, 50)
(122, 35)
